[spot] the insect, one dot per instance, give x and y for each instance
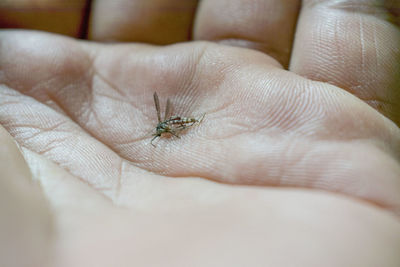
(172, 124)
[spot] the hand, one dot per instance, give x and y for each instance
(317, 167)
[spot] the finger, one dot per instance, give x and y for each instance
(149, 21)
(25, 225)
(59, 16)
(353, 45)
(264, 25)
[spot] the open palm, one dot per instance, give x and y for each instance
(81, 113)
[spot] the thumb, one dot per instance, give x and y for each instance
(25, 221)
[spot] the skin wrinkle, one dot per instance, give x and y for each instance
(279, 54)
(92, 111)
(62, 165)
(289, 116)
(125, 100)
(93, 71)
(190, 85)
(331, 185)
(81, 179)
(363, 57)
(122, 100)
(119, 182)
(376, 8)
(348, 186)
(376, 57)
(97, 73)
(49, 93)
(59, 105)
(24, 150)
(41, 129)
(51, 145)
(195, 71)
(362, 43)
(361, 6)
(233, 131)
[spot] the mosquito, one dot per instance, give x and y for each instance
(172, 124)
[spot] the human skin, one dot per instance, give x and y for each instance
(296, 162)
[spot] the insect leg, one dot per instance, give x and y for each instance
(174, 133)
(201, 118)
(151, 142)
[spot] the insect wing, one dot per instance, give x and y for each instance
(167, 109)
(157, 104)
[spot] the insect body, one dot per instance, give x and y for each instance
(172, 124)
(182, 122)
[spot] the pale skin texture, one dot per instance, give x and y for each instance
(296, 162)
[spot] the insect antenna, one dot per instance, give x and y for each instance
(157, 104)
